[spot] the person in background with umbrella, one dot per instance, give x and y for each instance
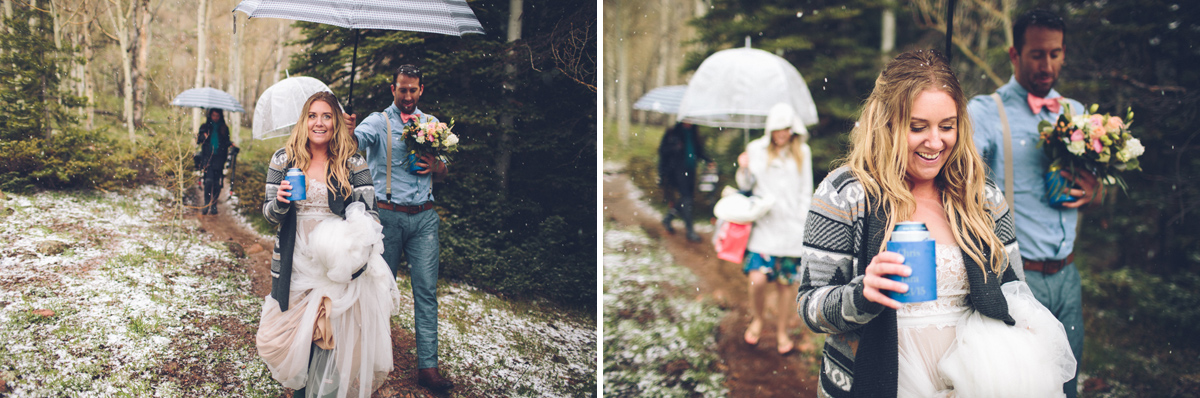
(324, 329)
(678, 153)
(410, 226)
(213, 138)
(776, 166)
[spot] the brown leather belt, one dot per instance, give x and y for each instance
(1048, 267)
(406, 209)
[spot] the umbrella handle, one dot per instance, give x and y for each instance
(353, 66)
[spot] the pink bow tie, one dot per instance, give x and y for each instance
(413, 117)
(1036, 103)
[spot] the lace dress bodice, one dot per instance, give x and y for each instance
(952, 287)
(317, 201)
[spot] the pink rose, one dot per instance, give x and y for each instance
(1077, 135)
(1096, 145)
(1114, 123)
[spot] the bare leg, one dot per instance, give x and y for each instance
(786, 297)
(758, 296)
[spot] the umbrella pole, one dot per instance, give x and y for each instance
(353, 66)
(949, 29)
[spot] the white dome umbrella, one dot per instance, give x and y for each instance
(736, 87)
(663, 99)
(279, 107)
(208, 98)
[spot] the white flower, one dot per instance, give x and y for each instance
(1080, 121)
(451, 140)
(420, 138)
(1076, 147)
(1133, 148)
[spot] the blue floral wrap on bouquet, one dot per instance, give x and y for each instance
(1056, 184)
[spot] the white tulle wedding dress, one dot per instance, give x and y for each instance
(947, 349)
(354, 319)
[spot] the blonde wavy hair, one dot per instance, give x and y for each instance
(794, 148)
(879, 155)
(341, 146)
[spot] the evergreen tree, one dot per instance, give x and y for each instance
(540, 236)
(32, 102)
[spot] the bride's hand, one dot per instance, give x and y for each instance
(285, 191)
(885, 263)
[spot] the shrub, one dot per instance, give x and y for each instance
(72, 158)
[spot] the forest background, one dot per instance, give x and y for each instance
(1138, 251)
(84, 104)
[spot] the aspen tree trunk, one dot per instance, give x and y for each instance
(504, 156)
(141, 61)
(88, 86)
(279, 48)
(622, 79)
(201, 55)
(235, 84)
(120, 20)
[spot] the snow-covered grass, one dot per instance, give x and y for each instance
(140, 303)
(658, 339)
(512, 349)
(144, 305)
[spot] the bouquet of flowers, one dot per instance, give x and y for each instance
(429, 138)
(1101, 144)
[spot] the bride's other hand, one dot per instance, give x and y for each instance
(284, 192)
(885, 263)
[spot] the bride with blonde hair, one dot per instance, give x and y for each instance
(325, 327)
(912, 159)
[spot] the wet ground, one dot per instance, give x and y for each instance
(751, 371)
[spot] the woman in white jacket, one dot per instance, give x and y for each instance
(779, 166)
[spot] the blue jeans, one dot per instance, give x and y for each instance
(416, 236)
(1061, 293)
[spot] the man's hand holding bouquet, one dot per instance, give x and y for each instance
(429, 140)
(1099, 144)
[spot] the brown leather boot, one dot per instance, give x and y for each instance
(430, 378)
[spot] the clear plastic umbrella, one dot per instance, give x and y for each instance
(208, 98)
(278, 108)
(663, 99)
(736, 87)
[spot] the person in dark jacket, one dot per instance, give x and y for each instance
(678, 154)
(213, 138)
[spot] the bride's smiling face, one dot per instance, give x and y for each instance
(320, 123)
(932, 132)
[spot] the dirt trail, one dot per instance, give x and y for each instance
(751, 371)
(401, 382)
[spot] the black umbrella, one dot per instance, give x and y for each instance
(447, 17)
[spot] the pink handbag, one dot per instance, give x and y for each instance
(730, 241)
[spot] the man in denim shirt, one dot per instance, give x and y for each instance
(410, 226)
(1045, 234)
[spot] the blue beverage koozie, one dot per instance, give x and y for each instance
(921, 256)
(296, 178)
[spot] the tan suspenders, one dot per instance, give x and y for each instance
(388, 163)
(1008, 161)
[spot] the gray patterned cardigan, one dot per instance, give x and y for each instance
(841, 237)
(282, 214)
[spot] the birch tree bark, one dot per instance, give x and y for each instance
(235, 83)
(201, 55)
(120, 22)
(622, 78)
(141, 61)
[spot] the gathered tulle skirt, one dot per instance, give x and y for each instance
(355, 316)
(969, 355)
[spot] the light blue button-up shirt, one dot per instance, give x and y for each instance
(407, 189)
(1043, 232)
